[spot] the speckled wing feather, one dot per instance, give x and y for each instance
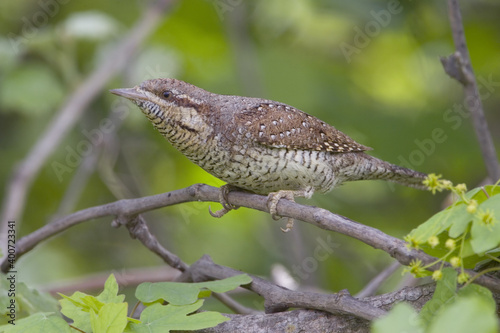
(282, 126)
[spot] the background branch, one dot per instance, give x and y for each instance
(459, 67)
(71, 111)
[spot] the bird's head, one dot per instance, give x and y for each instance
(171, 104)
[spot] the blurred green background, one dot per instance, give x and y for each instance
(370, 68)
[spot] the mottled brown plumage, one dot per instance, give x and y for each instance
(259, 145)
(281, 126)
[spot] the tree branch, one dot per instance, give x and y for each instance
(459, 67)
(278, 299)
(318, 321)
(126, 209)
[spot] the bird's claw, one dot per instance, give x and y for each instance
(226, 206)
(272, 203)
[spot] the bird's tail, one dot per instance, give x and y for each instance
(379, 169)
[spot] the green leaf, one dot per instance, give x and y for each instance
(163, 318)
(28, 301)
(438, 223)
(177, 293)
(478, 291)
(92, 303)
(461, 221)
(445, 291)
(73, 308)
(486, 237)
(479, 195)
(110, 292)
(468, 314)
(111, 318)
(456, 220)
(401, 318)
(85, 309)
(450, 310)
(41, 322)
(225, 285)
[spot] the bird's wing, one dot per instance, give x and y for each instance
(282, 126)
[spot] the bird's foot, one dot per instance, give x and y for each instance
(226, 206)
(272, 203)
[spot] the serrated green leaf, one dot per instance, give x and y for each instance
(73, 308)
(92, 303)
(111, 318)
(79, 306)
(177, 293)
(76, 300)
(163, 318)
(446, 290)
(401, 318)
(110, 292)
(41, 322)
(468, 314)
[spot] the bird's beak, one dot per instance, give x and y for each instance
(130, 93)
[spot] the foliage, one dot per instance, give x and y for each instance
(468, 309)
(107, 312)
(28, 301)
(282, 50)
(465, 233)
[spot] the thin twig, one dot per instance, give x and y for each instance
(125, 278)
(78, 182)
(375, 283)
(233, 305)
(65, 119)
(138, 229)
(127, 208)
(459, 66)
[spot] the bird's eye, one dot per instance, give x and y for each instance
(167, 94)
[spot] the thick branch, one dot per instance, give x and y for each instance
(318, 321)
(278, 299)
(459, 67)
(319, 217)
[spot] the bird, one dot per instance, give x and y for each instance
(259, 145)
